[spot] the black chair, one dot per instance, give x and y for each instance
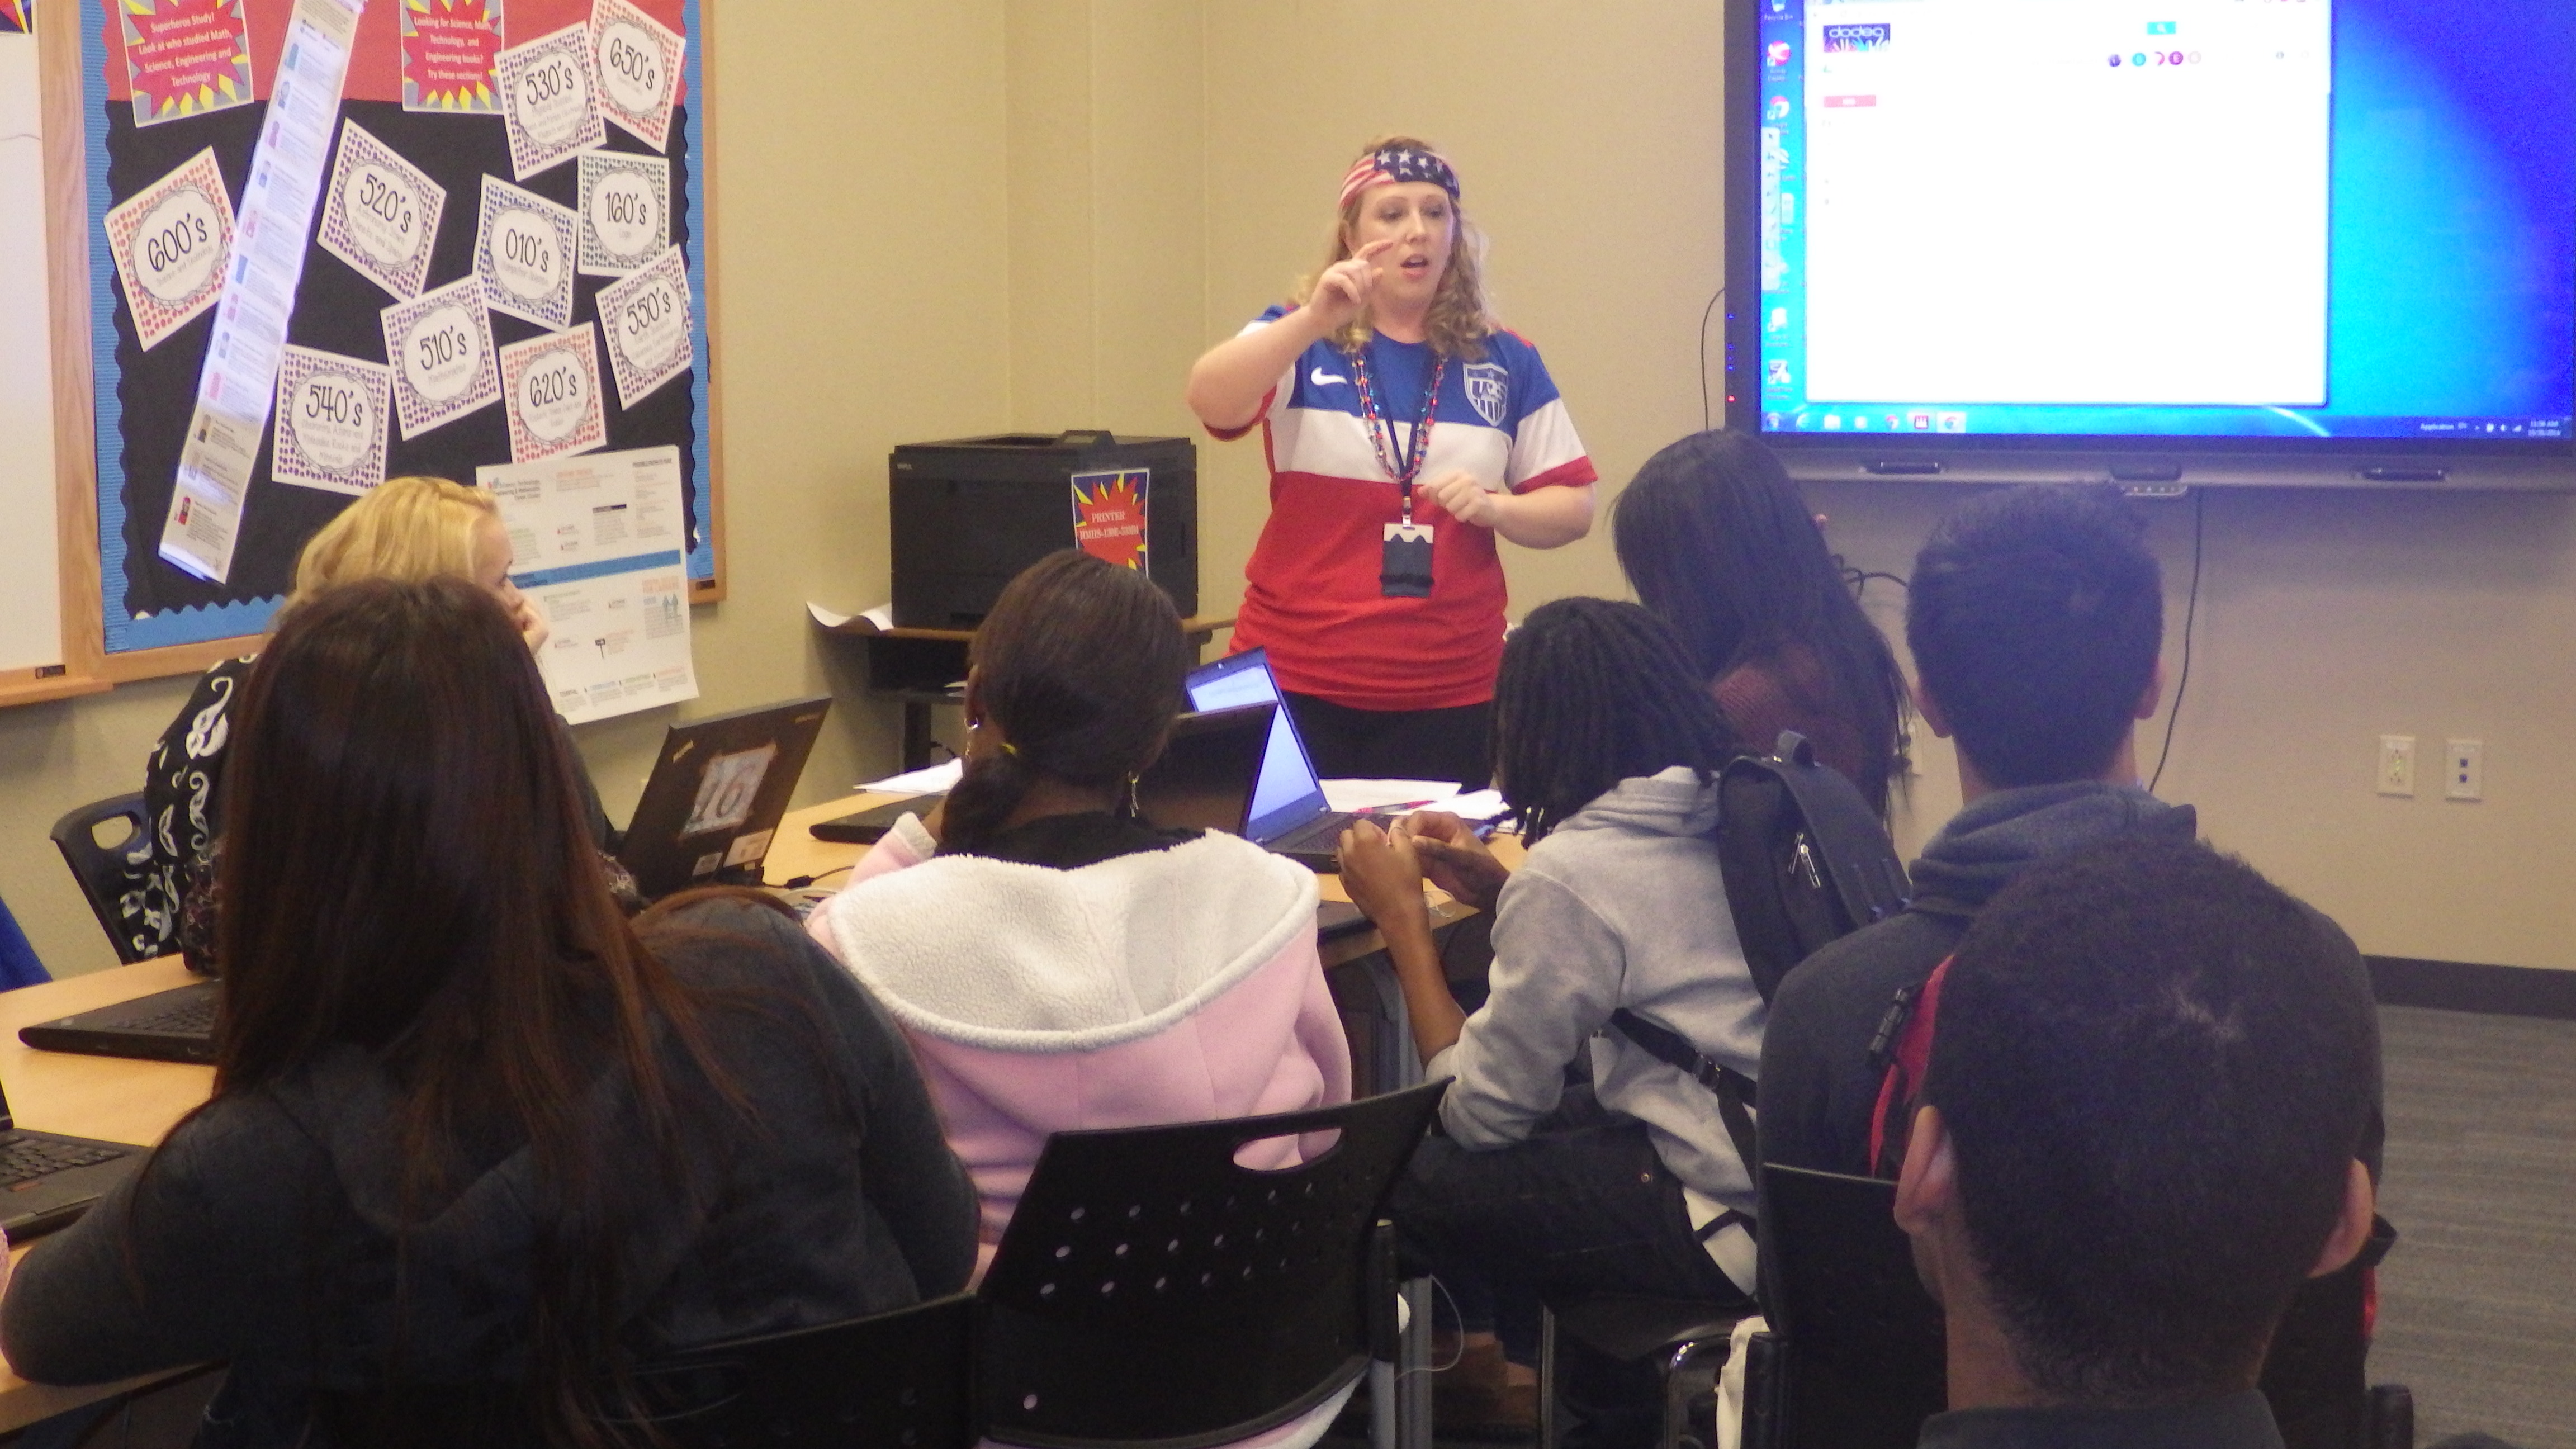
(108, 873)
(1150, 1291)
(1688, 1341)
(896, 1379)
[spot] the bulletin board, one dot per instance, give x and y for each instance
(498, 189)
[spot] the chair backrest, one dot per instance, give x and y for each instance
(108, 873)
(1864, 1361)
(19, 965)
(901, 1378)
(1150, 1290)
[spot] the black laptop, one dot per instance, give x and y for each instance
(718, 790)
(46, 1180)
(1289, 815)
(177, 1025)
(1866, 1361)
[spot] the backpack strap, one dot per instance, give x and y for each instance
(1904, 1044)
(1736, 1093)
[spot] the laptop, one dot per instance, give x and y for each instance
(718, 790)
(167, 1026)
(46, 1181)
(1289, 815)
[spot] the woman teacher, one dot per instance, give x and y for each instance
(1404, 429)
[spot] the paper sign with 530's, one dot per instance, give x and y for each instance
(331, 421)
(441, 347)
(550, 386)
(647, 317)
(171, 241)
(380, 213)
(549, 101)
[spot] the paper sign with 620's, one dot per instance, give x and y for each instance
(551, 390)
(648, 321)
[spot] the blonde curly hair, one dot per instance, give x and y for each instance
(1459, 321)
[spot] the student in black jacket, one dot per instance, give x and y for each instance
(477, 1146)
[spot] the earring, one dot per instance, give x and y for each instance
(1135, 811)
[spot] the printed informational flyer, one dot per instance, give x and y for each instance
(549, 101)
(238, 385)
(550, 385)
(601, 546)
(331, 421)
(451, 53)
(645, 319)
(639, 70)
(185, 57)
(625, 212)
(523, 254)
(170, 241)
(380, 213)
(441, 349)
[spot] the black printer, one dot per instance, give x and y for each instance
(970, 513)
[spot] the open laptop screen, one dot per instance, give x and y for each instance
(1287, 794)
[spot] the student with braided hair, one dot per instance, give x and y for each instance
(1606, 745)
(1056, 963)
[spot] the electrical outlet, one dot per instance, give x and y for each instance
(2397, 765)
(2464, 770)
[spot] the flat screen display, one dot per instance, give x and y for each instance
(2215, 220)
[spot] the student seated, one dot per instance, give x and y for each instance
(2139, 1134)
(476, 1146)
(1606, 746)
(1716, 541)
(1056, 962)
(406, 529)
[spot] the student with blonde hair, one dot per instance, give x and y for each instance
(1405, 430)
(405, 530)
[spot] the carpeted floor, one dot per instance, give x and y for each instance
(2477, 1309)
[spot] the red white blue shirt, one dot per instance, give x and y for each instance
(1312, 596)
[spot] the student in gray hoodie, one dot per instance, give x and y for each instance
(1608, 748)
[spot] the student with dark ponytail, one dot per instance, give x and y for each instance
(1605, 745)
(477, 1144)
(1057, 963)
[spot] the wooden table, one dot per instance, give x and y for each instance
(108, 1097)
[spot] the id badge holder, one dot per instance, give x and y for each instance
(1404, 569)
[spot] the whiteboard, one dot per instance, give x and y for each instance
(31, 624)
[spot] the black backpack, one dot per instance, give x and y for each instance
(1806, 861)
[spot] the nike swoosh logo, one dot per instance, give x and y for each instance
(1320, 378)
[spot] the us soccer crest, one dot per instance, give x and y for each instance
(1488, 388)
(1109, 516)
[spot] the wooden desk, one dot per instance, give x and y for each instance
(108, 1097)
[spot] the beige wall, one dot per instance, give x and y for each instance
(1034, 214)
(861, 231)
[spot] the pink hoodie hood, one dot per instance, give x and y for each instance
(1169, 986)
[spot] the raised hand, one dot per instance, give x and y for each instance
(1345, 288)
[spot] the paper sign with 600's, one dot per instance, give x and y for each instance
(171, 241)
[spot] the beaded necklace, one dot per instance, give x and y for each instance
(1412, 462)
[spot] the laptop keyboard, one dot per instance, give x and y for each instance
(194, 1017)
(24, 1157)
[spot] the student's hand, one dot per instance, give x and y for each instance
(937, 818)
(532, 624)
(1384, 879)
(1463, 498)
(1454, 859)
(1346, 287)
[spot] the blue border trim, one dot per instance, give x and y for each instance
(702, 555)
(595, 569)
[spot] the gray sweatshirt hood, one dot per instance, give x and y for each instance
(1675, 802)
(1992, 840)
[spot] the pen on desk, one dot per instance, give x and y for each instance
(1406, 808)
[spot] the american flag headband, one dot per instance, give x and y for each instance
(1388, 167)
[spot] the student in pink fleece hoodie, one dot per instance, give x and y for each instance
(1057, 963)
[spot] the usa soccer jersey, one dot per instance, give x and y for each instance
(1312, 596)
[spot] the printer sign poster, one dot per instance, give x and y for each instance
(1109, 516)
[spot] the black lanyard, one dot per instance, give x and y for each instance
(1403, 466)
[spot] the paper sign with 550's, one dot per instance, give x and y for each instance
(647, 317)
